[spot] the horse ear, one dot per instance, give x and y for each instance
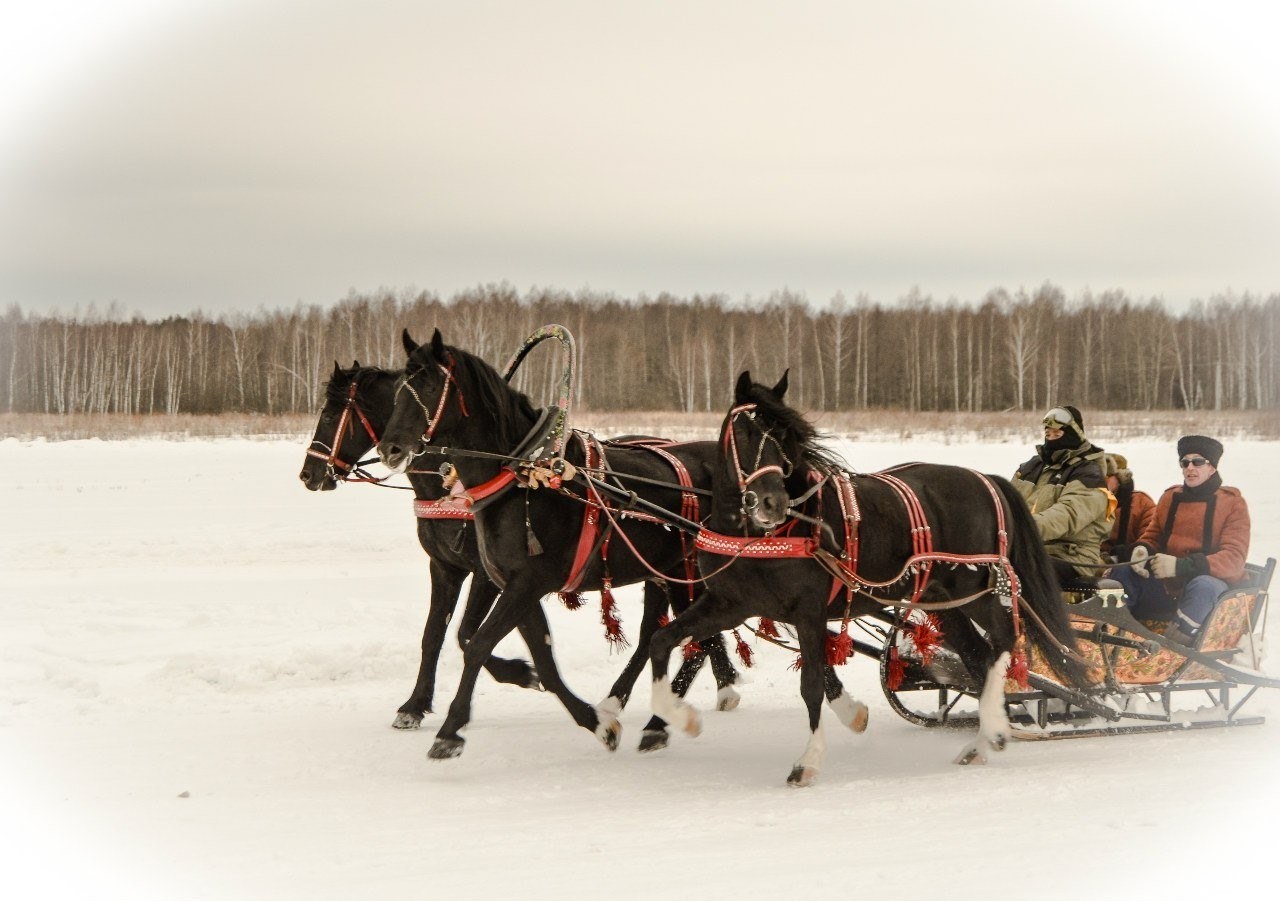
(743, 388)
(781, 388)
(337, 370)
(355, 364)
(437, 346)
(409, 344)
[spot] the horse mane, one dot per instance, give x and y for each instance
(487, 389)
(801, 440)
(335, 391)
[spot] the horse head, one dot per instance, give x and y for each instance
(357, 403)
(421, 403)
(754, 441)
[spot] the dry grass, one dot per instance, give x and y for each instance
(895, 424)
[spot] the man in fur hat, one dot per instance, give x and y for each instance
(1134, 508)
(1195, 547)
(1064, 486)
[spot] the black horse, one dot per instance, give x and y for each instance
(358, 403)
(771, 455)
(532, 542)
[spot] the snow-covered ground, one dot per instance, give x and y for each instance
(200, 662)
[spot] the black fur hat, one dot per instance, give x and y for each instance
(1203, 445)
(1076, 413)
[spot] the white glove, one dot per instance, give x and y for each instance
(1137, 557)
(1164, 566)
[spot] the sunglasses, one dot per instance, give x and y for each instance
(1197, 462)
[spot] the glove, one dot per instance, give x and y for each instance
(1164, 566)
(1138, 559)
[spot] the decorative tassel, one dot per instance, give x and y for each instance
(691, 650)
(897, 670)
(767, 628)
(744, 649)
(1017, 671)
(797, 664)
(609, 616)
(839, 647)
(926, 635)
(664, 620)
(535, 546)
(571, 599)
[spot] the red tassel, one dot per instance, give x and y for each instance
(571, 599)
(1017, 671)
(691, 650)
(609, 616)
(767, 628)
(897, 670)
(744, 650)
(839, 647)
(797, 664)
(664, 620)
(926, 635)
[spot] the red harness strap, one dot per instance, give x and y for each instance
(592, 455)
(689, 507)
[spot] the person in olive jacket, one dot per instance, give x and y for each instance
(1195, 547)
(1064, 486)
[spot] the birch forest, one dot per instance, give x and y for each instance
(1010, 351)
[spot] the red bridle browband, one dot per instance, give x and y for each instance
(331, 459)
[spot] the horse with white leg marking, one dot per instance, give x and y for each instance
(542, 537)
(938, 538)
(358, 403)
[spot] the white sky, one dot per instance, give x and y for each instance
(226, 155)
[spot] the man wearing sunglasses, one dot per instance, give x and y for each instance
(1064, 486)
(1195, 547)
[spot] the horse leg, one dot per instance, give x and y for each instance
(602, 720)
(993, 720)
(514, 606)
(725, 672)
(708, 615)
(813, 640)
(848, 709)
(446, 582)
(479, 601)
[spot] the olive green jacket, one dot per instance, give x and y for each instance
(1070, 503)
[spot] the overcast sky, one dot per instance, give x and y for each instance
(235, 154)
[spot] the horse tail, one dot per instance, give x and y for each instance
(1040, 588)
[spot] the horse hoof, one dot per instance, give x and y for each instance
(446, 748)
(860, 717)
(534, 683)
(609, 733)
(802, 776)
(407, 721)
(999, 742)
(727, 699)
(653, 740)
(970, 754)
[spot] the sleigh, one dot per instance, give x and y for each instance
(1141, 681)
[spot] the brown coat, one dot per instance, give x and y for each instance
(1141, 509)
(1228, 547)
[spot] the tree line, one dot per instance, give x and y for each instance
(1019, 350)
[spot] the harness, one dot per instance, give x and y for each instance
(843, 567)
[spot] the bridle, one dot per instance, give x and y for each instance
(330, 454)
(749, 500)
(433, 419)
